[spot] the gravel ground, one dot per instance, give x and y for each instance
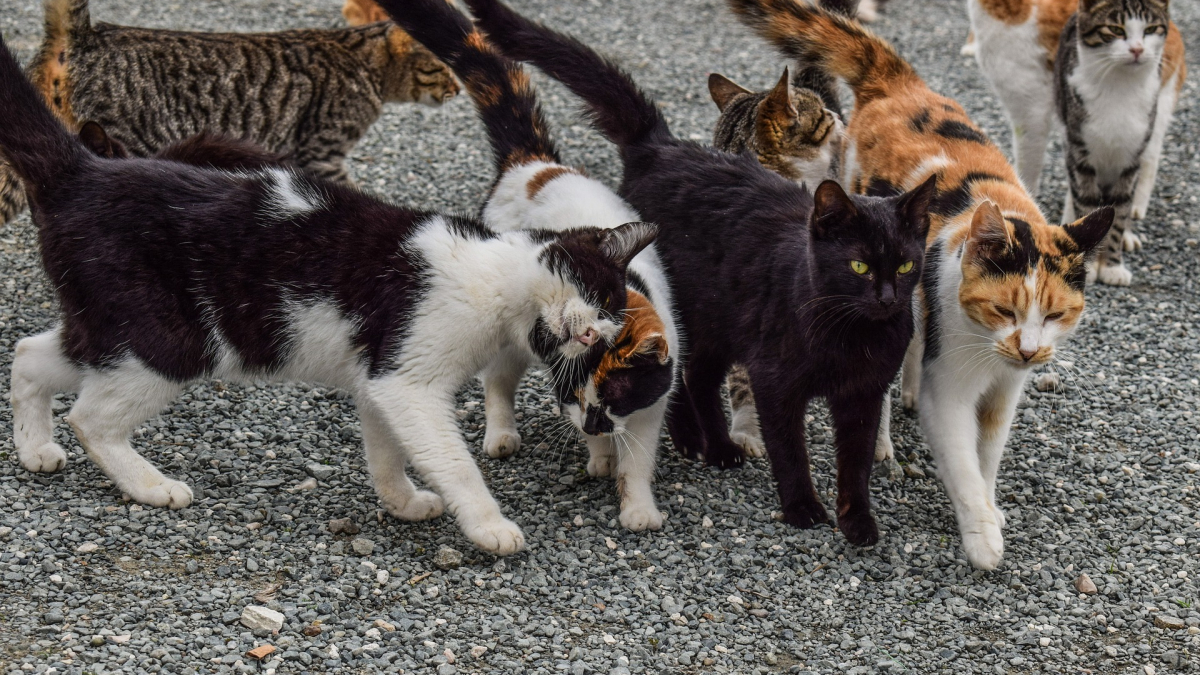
(1100, 479)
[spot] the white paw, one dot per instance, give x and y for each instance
(751, 443)
(166, 492)
(638, 517)
(1131, 241)
(1138, 212)
(1114, 275)
(984, 545)
(909, 398)
(422, 505)
(46, 458)
(1000, 519)
(1048, 382)
(499, 536)
(868, 11)
(968, 49)
(501, 443)
(884, 450)
(600, 466)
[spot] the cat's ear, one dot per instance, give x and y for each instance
(99, 142)
(723, 90)
(989, 233)
(831, 209)
(620, 244)
(913, 206)
(778, 104)
(1090, 230)
(654, 344)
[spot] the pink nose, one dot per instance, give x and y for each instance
(588, 338)
(1028, 354)
(1137, 51)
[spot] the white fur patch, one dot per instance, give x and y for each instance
(289, 196)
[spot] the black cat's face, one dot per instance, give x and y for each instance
(868, 251)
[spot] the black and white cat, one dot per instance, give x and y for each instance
(167, 274)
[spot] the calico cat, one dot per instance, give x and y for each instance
(812, 294)
(620, 408)
(308, 95)
(1115, 93)
(1017, 45)
(167, 274)
(1001, 287)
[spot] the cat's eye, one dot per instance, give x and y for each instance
(905, 268)
(1154, 30)
(859, 267)
(1005, 312)
(1117, 30)
(1054, 316)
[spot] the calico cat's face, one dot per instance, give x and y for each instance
(635, 373)
(868, 250)
(1124, 32)
(788, 128)
(1024, 286)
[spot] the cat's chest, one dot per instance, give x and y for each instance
(1116, 123)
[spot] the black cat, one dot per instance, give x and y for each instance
(812, 294)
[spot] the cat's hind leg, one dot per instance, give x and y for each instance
(39, 371)
(1151, 157)
(743, 428)
(683, 424)
(704, 383)
(112, 403)
(386, 462)
(637, 451)
(500, 380)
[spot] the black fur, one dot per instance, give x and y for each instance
(753, 285)
(955, 130)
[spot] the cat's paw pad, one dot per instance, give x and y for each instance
(884, 450)
(806, 516)
(600, 466)
(984, 545)
(639, 517)
(421, 505)
(724, 455)
(498, 536)
(46, 458)
(501, 443)
(166, 492)
(1131, 241)
(751, 444)
(1048, 382)
(1114, 275)
(859, 528)
(909, 398)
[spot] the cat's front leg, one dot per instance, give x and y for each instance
(500, 380)
(910, 373)
(856, 426)
(704, 378)
(385, 463)
(743, 428)
(884, 450)
(996, 411)
(636, 453)
(683, 424)
(781, 417)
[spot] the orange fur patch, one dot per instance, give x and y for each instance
(1174, 58)
(1008, 11)
(359, 12)
(643, 333)
(543, 177)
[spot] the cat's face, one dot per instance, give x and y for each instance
(634, 373)
(1131, 33)
(868, 251)
(1023, 286)
(418, 77)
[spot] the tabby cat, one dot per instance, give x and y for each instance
(812, 294)
(308, 95)
(168, 273)
(1001, 286)
(620, 408)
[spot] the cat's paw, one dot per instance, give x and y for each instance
(501, 442)
(724, 455)
(909, 398)
(806, 515)
(421, 505)
(498, 536)
(1000, 519)
(639, 517)
(884, 450)
(984, 545)
(859, 528)
(1131, 241)
(164, 492)
(752, 444)
(1048, 382)
(601, 465)
(1114, 275)
(46, 458)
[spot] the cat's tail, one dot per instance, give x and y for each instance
(830, 41)
(500, 88)
(65, 18)
(620, 110)
(36, 144)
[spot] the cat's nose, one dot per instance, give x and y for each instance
(1028, 354)
(1137, 51)
(589, 337)
(887, 295)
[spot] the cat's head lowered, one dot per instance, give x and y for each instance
(867, 253)
(787, 128)
(1022, 284)
(1130, 33)
(635, 373)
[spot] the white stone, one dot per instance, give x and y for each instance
(87, 547)
(257, 617)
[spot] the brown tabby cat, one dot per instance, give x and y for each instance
(308, 95)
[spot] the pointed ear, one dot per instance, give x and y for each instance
(1090, 230)
(778, 104)
(654, 343)
(622, 243)
(723, 90)
(914, 205)
(99, 142)
(831, 208)
(989, 232)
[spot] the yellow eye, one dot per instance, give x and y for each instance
(859, 267)
(905, 268)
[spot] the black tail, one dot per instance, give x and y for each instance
(32, 139)
(500, 88)
(619, 109)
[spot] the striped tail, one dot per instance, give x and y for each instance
(620, 110)
(501, 90)
(841, 47)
